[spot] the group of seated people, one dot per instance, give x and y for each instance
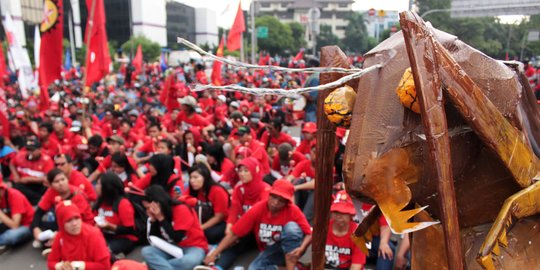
(214, 190)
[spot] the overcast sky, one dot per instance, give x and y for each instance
(226, 9)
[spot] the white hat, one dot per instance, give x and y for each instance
(189, 100)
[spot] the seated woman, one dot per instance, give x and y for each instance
(161, 173)
(44, 217)
(16, 214)
(176, 223)
(165, 146)
(122, 168)
(250, 191)
(213, 204)
(117, 215)
(77, 245)
(219, 164)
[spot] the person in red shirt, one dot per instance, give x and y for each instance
(16, 214)
(49, 145)
(219, 164)
(341, 252)
(213, 202)
(128, 134)
(189, 117)
(161, 173)
(77, 245)
(308, 131)
(75, 178)
(45, 218)
(273, 136)
(251, 191)
(176, 223)
(281, 230)
(286, 159)
(121, 166)
(28, 170)
(62, 134)
(115, 214)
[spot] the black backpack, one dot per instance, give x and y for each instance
(140, 217)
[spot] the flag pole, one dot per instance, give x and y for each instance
(85, 74)
(242, 47)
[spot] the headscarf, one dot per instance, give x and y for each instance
(256, 186)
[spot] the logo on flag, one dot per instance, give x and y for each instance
(50, 16)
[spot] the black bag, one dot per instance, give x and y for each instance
(140, 218)
(204, 211)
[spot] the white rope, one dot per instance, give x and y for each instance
(284, 92)
(270, 68)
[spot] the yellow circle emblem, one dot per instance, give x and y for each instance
(50, 16)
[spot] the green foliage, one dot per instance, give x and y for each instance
(298, 35)
(279, 35)
(356, 36)
(486, 34)
(326, 37)
(150, 49)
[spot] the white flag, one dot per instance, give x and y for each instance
(37, 45)
(20, 58)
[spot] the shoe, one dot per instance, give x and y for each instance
(205, 267)
(3, 249)
(45, 253)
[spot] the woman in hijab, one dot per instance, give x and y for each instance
(251, 190)
(161, 173)
(77, 245)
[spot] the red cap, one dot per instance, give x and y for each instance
(343, 204)
(309, 127)
(283, 188)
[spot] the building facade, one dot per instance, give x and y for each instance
(180, 22)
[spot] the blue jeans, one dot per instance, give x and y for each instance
(228, 256)
(382, 264)
(274, 255)
(15, 236)
(157, 259)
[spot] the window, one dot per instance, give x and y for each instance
(284, 5)
(341, 27)
(343, 5)
(342, 14)
(265, 5)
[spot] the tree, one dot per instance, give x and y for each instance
(326, 37)
(298, 35)
(151, 50)
(279, 35)
(356, 36)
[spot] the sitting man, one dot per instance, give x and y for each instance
(281, 230)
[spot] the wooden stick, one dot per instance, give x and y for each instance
(85, 74)
(425, 68)
(324, 168)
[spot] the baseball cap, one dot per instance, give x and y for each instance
(189, 101)
(75, 126)
(222, 98)
(133, 112)
(343, 204)
(242, 131)
(237, 115)
(32, 144)
(117, 139)
(235, 104)
(283, 188)
(309, 127)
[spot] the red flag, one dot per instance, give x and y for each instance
(168, 95)
(299, 56)
(3, 69)
(4, 118)
(216, 67)
(234, 41)
(50, 51)
(138, 60)
(97, 57)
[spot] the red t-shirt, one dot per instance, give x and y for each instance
(125, 216)
(107, 161)
(145, 181)
(226, 166)
(282, 138)
(218, 198)
(37, 168)
(51, 147)
(267, 227)
(304, 167)
(80, 181)
(285, 169)
(340, 251)
(185, 219)
(48, 201)
(195, 120)
(17, 204)
(304, 147)
(240, 204)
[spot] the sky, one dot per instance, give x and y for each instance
(226, 9)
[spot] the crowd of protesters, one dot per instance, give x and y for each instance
(140, 157)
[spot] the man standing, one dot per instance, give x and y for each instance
(281, 230)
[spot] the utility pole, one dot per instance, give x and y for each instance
(253, 33)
